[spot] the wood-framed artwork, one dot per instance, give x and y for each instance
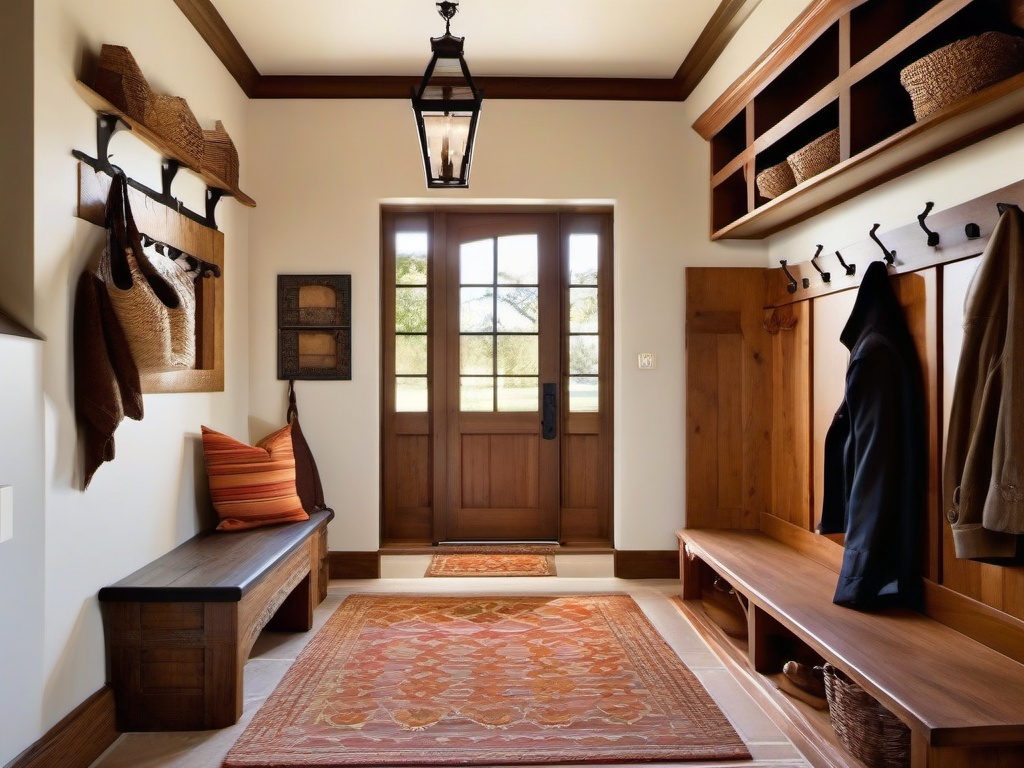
(314, 320)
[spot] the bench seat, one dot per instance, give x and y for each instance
(179, 630)
(950, 690)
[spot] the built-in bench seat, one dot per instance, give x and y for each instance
(963, 701)
(179, 630)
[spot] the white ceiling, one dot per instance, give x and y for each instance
(514, 38)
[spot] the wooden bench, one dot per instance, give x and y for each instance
(179, 630)
(963, 701)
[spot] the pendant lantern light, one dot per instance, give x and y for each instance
(447, 106)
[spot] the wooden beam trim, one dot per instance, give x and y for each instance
(78, 739)
(716, 35)
(222, 41)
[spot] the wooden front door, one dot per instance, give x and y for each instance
(496, 418)
(502, 371)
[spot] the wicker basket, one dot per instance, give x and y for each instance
(170, 118)
(221, 161)
(960, 69)
(120, 81)
(772, 182)
(820, 155)
(868, 730)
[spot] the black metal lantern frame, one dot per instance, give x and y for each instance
(447, 106)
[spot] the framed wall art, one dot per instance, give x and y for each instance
(314, 322)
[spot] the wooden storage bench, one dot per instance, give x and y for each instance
(179, 630)
(963, 701)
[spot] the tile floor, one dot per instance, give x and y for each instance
(275, 651)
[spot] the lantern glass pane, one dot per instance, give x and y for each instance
(447, 137)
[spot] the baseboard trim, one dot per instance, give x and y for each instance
(78, 739)
(646, 564)
(354, 565)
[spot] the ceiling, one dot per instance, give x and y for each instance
(556, 49)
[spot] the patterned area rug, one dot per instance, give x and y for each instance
(396, 680)
(491, 565)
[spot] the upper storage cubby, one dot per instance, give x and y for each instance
(826, 101)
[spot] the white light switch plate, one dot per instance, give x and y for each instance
(645, 361)
(6, 512)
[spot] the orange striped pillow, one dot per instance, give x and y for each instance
(252, 486)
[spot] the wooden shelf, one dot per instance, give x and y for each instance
(104, 107)
(860, 47)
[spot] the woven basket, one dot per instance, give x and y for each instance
(119, 80)
(960, 69)
(772, 182)
(170, 118)
(868, 730)
(820, 155)
(221, 160)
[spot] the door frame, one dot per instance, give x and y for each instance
(593, 527)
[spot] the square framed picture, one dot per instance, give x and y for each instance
(315, 353)
(314, 317)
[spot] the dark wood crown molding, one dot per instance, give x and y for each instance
(710, 44)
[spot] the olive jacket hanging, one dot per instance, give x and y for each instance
(983, 478)
(875, 455)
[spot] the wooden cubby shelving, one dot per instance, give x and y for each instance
(838, 66)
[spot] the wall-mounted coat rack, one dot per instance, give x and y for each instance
(955, 234)
(109, 118)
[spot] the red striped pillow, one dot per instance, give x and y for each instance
(252, 486)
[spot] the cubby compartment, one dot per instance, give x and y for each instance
(815, 126)
(792, 96)
(811, 71)
(729, 200)
(877, 21)
(729, 142)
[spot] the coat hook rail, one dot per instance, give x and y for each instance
(106, 126)
(206, 268)
(825, 276)
(933, 237)
(890, 256)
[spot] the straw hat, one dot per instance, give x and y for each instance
(221, 163)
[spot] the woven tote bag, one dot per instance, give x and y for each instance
(183, 320)
(142, 298)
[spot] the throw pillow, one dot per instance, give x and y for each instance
(252, 485)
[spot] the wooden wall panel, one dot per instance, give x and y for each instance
(581, 481)
(728, 428)
(412, 476)
(828, 382)
(791, 331)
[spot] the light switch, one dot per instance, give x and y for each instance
(6, 512)
(645, 361)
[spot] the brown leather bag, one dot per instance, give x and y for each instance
(307, 478)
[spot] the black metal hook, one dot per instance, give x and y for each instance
(825, 276)
(851, 269)
(206, 268)
(933, 237)
(890, 256)
(973, 231)
(793, 284)
(1001, 207)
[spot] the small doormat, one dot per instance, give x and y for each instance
(491, 565)
(395, 680)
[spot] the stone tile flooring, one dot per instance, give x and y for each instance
(275, 651)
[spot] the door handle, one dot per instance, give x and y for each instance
(549, 411)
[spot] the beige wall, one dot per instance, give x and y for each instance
(67, 543)
(322, 170)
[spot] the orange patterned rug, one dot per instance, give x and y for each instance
(394, 680)
(491, 565)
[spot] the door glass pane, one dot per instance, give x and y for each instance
(517, 260)
(476, 310)
(583, 310)
(583, 354)
(411, 394)
(583, 259)
(476, 355)
(476, 393)
(518, 310)
(582, 393)
(518, 356)
(411, 355)
(518, 393)
(476, 263)
(411, 310)
(411, 258)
